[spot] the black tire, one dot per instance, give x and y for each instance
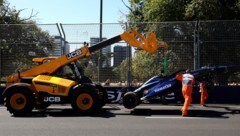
(163, 100)
(103, 96)
(130, 100)
(20, 101)
(85, 102)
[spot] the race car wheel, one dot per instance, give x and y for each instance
(85, 101)
(164, 100)
(19, 102)
(130, 100)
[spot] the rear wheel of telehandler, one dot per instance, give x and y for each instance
(85, 102)
(19, 102)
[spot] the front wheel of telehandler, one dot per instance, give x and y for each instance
(85, 102)
(19, 102)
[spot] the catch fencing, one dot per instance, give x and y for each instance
(192, 45)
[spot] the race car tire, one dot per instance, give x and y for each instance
(130, 100)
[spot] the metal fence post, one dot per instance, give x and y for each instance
(0, 65)
(129, 77)
(63, 44)
(196, 46)
(100, 39)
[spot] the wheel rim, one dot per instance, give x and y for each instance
(131, 101)
(84, 101)
(18, 101)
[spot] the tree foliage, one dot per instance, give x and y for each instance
(120, 71)
(149, 15)
(164, 10)
(182, 10)
(21, 39)
(145, 65)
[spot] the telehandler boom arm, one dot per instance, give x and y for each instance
(150, 44)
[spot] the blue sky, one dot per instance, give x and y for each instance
(72, 11)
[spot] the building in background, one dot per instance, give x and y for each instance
(120, 53)
(95, 40)
(61, 47)
(105, 51)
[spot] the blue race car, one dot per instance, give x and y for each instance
(159, 86)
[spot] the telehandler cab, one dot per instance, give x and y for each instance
(59, 81)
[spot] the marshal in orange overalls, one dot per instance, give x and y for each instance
(187, 87)
(204, 94)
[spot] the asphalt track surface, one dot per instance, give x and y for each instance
(115, 120)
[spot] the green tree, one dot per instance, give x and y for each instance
(212, 10)
(120, 71)
(21, 39)
(182, 10)
(180, 35)
(164, 10)
(145, 65)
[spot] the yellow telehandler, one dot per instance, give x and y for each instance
(59, 81)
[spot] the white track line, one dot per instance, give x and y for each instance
(174, 117)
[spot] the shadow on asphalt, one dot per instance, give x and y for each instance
(57, 112)
(207, 112)
(109, 112)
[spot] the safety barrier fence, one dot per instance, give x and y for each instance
(192, 45)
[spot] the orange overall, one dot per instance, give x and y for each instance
(204, 94)
(187, 85)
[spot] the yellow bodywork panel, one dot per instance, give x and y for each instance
(53, 85)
